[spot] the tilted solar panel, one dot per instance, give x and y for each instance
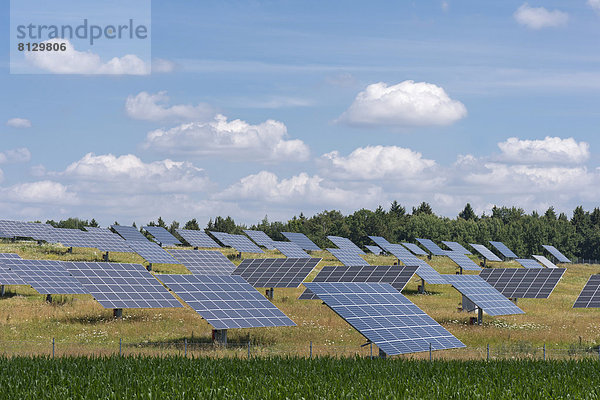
(152, 252)
(455, 246)
(425, 271)
(239, 242)
(290, 249)
(345, 243)
(105, 240)
(204, 262)
(9, 256)
(590, 295)
(556, 253)
(463, 261)
(260, 238)
(45, 276)
(162, 235)
(374, 249)
(276, 272)
(380, 241)
(505, 251)
(523, 283)
(197, 238)
(348, 258)
(431, 246)
(129, 233)
(545, 262)
(385, 317)
(414, 249)
(528, 263)
(485, 252)
(301, 240)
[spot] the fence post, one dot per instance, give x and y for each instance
(429, 351)
(311, 349)
(371, 347)
(544, 351)
(248, 349)
(488, 352)
(52, 347)
(185, 347)
(599, 353)
(120, 346)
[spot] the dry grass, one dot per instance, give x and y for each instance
(81, 326)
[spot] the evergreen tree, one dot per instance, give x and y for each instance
(467, 213)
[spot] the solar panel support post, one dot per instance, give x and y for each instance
(105, 256)
(2, 290)
(484, 263)
(70, 250)
(117, 312)
(382, 354)
(49, 298)
(479, 316)
(149, 267)
(270, 293)
(421, 287)
(239, 255)
(220, 336)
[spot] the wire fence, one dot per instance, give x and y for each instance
(586, 261)
(185, 348)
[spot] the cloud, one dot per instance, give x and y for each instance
(160, 65)
(45, 192)
(539, 17)
(151, 107)
(595, 4)
(18, 123)
(376, 162)
(408, 103)
(548, 150)
(236, 139)
(19, 155)
(72, 61)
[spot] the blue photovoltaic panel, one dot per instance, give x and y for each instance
(485, 252)
(348, 258)
(105, 240)
(385, 317)
(129, 233)
(557, 254)
(380, 241)
(463, 261)
(204, 262)
(345, 244)
(519, 283)
(152, 252)
(455, 246)
(45, 276)
(290, 249)
(226, 302)
(4, 235)
(260, 238)
(528, 263)
(239, 242)
(399, 250)
(484, 295)
(9, 277)
(544, 261)
(197, 238)
(25, 229)
(276, 272)
(301, 240)
(414, 248)
(9, 256)
(431, 246)
(425, 271)
(115, 285)
(505, 251)
(374, 249)
(395, 275)
(590, 295)
(162, 235)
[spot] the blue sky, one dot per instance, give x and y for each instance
(278, 108)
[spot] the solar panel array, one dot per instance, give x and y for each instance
(162, 235)
(45, 276)
(484, 295)
(129, 232)
(374, 249)
(529, 263)
(32, 230)
(290, 249)
(556, 253)
(345, 243)
(590, 295)
(396, 276)
(276, 272)
(505, 251)
(239, 242)
(523, 283)
(152, 252)
(380, 241)
(455, 246)
(414, 248)
(301, 240)
(105, 240)
(485, 252)
(197, 238)
(425, 271)
(545, 262)
(260, 238)
(463, 261)
(385, 317)
(204, 262)
(431, 246)
(116, 285)
(348, 258)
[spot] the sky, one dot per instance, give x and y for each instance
(254, 108)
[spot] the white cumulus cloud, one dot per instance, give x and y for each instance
(151, 107)
(408, 103)
(548, 150)
(539, 17)
(45, 192)
(595, 4)
(19, 155)
(18, 123)
(161, 65)
(236, 139)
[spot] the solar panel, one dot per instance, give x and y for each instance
(485, 252)
(35, 231)
(385, 317)
(431, 246)
(70, 237)
(276, 272)
(528, 263)
(9, 256)
(590, 295)
(290, 249)
(260, 238)
(162, 235)
(106, 240)
(425, 271)
(463, 261)
(239, 242)
(380, 241)
(204, 262)
(197, 238)
(455, 246)
(374, 249)
(116, 285)
(545, 262)
(129, 233)
(399, 250)
(395, 275)
(346, 244)
(152, 252)
(557, 254)
(523, 283)
(9, 277)
(45, 276)
(478, 291)
(4, 235)
(301, 240)
(505, 251)
(226, 302)
(348, 258)
(414, 248)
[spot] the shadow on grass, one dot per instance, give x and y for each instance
(427, 292)
(103, 319)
